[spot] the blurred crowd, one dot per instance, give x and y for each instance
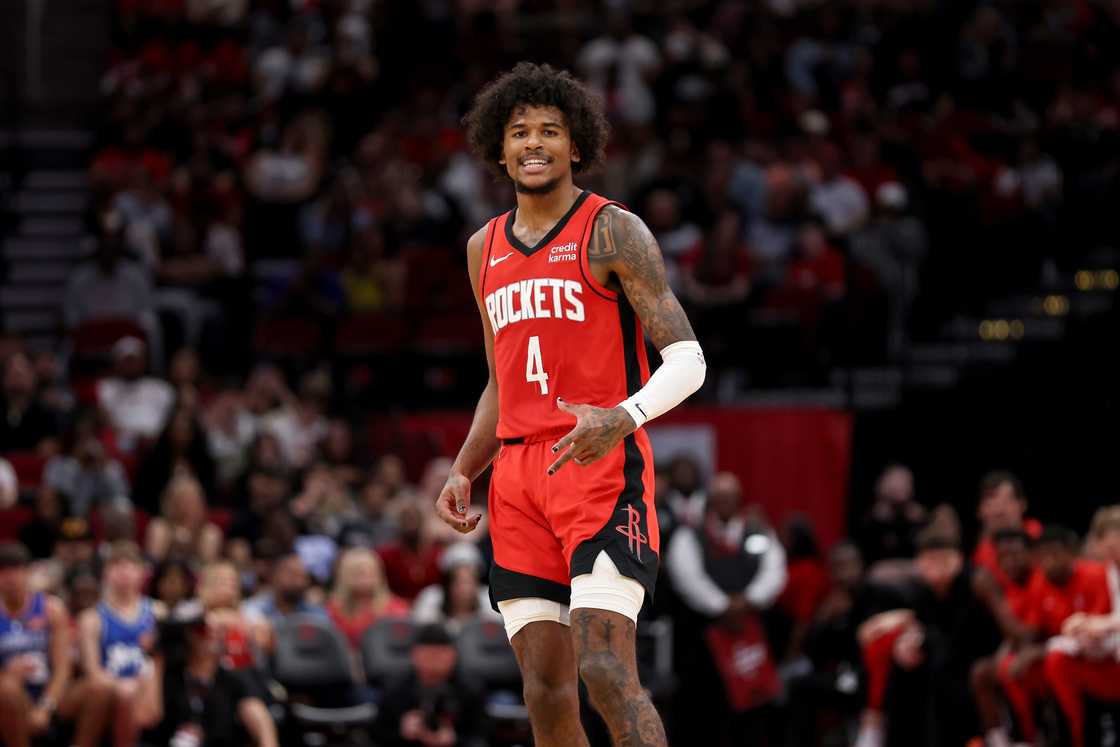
(282, 195)
(180, 561)
(827, 180)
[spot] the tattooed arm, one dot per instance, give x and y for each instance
(623, 247)
(624, 253)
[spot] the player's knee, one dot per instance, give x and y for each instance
(604, 674)
(549, 695)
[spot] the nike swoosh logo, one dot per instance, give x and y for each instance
(496, 260)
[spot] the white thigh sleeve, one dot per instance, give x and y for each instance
(607, 589)
(517, 613)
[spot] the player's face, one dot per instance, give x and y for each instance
(1001, 509)
(537, 149)
(1108, 545)
(1056, 561)
(1014, 558)
(938, 568)
(220, 588)
(124, 577)
(13, 582)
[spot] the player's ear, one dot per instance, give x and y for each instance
(575, 153)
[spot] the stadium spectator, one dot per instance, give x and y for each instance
(230, 431)
(172, 585)
(1064, 586)
(36, 667)
(829, 691)
(182, 530)
(1013, 554)
(286, 594)
(180, 451)
(212, 695)
(919, 653)
(433, 704)
(111, 286)
(807, 585)
(27, 423)
(412, 561)
(41, 533)
(620, 66)
(83, 473)
(1002, 505)
(460, 597)
(727, 571)
(137, 405)
(372, 525)
(687, 492)
(889, 527)
(116, 641)
(301, 425)
(361, 596)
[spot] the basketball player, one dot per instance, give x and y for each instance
(35, 663)
(116, 638)
(566, 282)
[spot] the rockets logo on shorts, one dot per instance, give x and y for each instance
(632, 531)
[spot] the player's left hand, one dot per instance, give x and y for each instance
(597, 431)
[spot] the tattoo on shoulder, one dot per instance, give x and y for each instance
(621, 235)
(623, 240)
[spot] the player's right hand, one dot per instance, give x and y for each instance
(453, 503)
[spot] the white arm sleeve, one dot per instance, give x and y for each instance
(681, 373)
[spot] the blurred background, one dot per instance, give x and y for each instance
(235, 319)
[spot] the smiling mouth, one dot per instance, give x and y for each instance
(534, 164)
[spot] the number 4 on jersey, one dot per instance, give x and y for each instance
(534, 367)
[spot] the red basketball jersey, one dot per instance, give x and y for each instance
(557, 332)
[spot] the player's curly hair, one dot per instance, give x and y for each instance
(528, 84)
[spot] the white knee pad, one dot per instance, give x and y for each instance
(607, 589)
(517, 613)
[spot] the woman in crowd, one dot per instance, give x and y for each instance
(361, 596)
(460, 597)
(183, 529)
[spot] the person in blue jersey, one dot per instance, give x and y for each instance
(35, 663)
(116, 640)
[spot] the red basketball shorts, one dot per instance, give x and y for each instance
(547, 529)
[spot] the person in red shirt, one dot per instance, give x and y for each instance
(1064, 586)
(1016, 565)
(412, 562)
(1085, 661)
(1003, 505)
(361, 596)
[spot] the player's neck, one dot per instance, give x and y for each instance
(125, 603)
(540, 212)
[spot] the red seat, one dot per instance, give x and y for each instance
(450, 332)
(222, 517)
(370, 334)
(12, 520)
(287, 337)
(28, 466)
(96, 337)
